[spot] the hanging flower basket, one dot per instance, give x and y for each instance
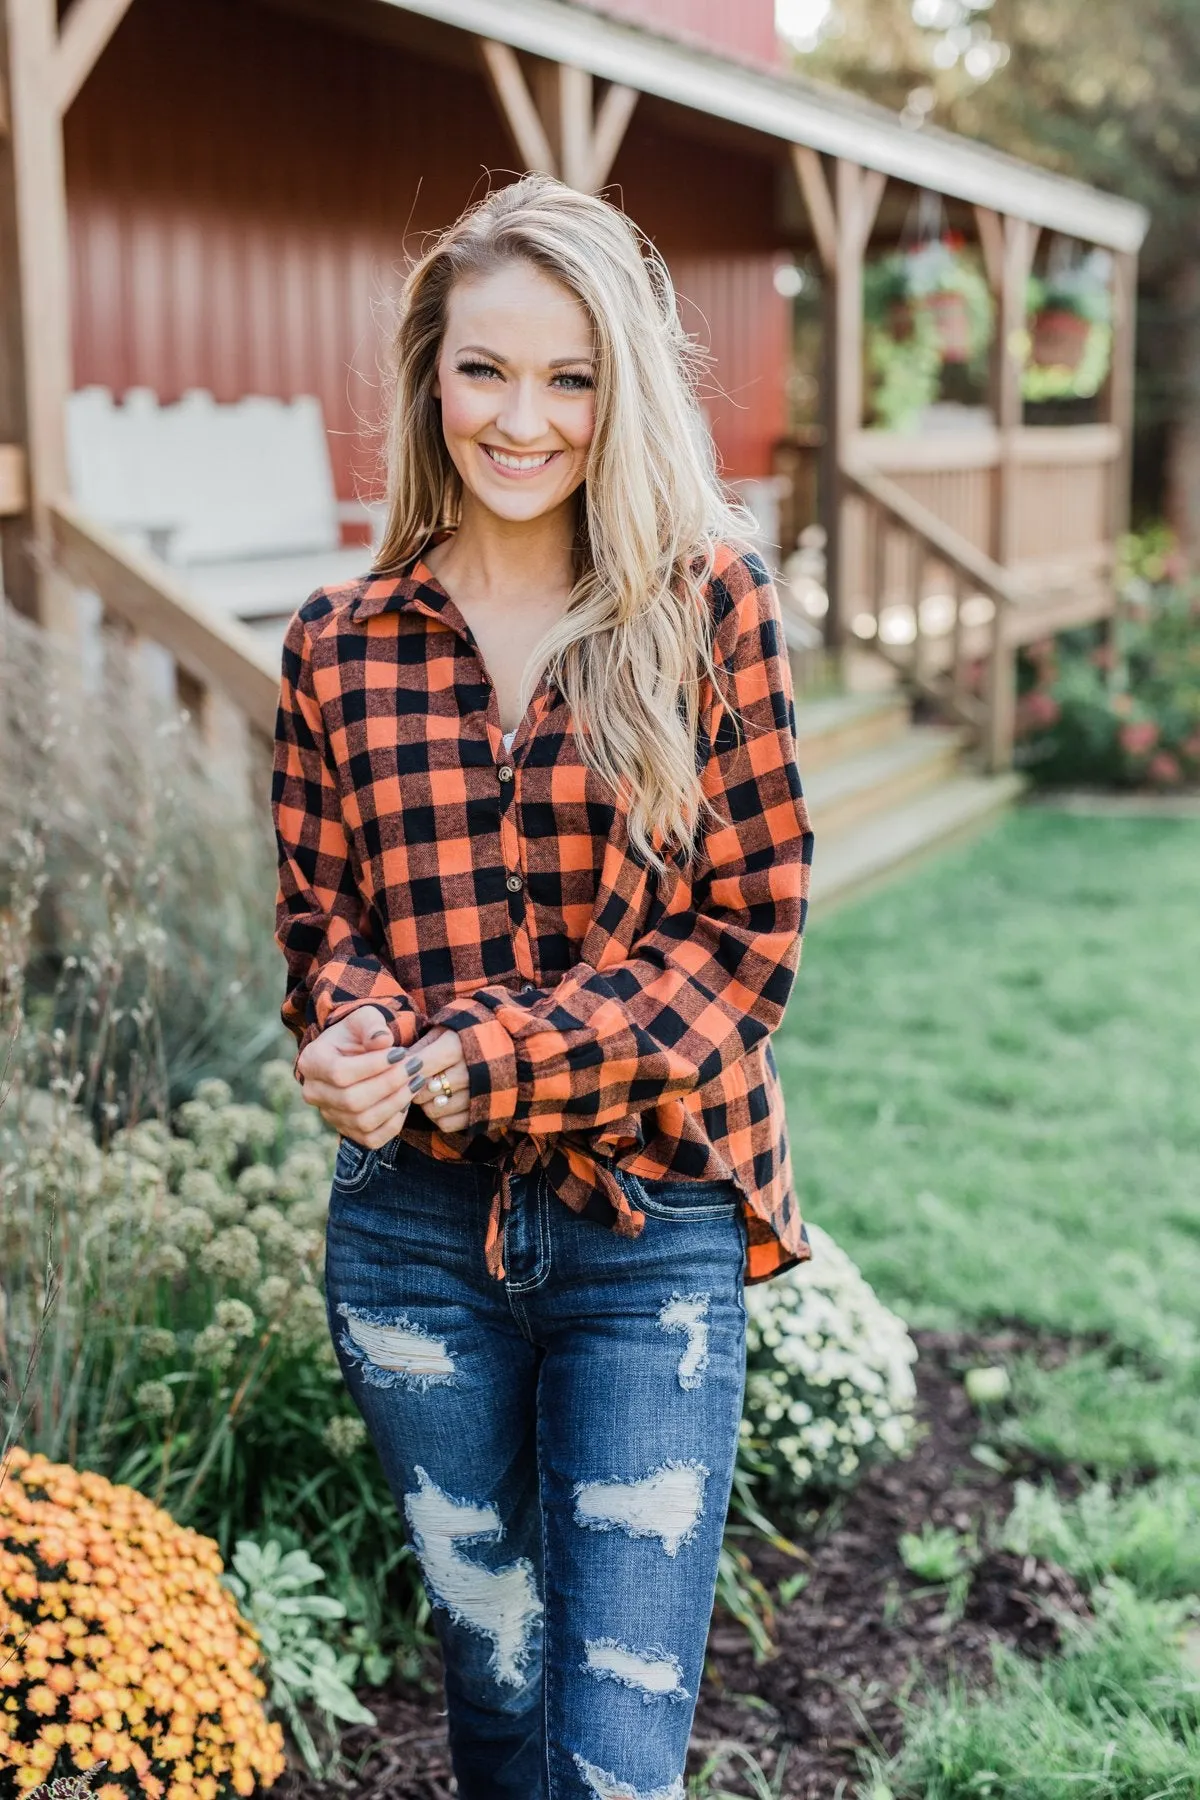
(1059, 338)
(951, 316)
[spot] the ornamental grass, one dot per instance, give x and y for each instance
(120, 1647)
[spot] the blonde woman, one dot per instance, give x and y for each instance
(543, 866)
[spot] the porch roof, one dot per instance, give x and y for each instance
(795, 110)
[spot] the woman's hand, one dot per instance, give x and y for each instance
(437, 1073)
(351, 1079)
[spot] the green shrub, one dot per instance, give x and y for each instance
(305, 1669)
(1119, 708)
(136, 885)
(165, 1326)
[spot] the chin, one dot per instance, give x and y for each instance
(519, 507)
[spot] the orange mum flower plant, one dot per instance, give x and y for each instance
(120, 1646)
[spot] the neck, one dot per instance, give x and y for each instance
(500, 559)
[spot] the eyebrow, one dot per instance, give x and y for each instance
(560, 362)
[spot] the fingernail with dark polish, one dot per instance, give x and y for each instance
(382, 1032)
(416, 1084)
(394, 1056)
(414, 1067)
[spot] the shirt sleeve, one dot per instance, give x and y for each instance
(710, 977)
(322, 923)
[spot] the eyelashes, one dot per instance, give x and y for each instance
(568, 382)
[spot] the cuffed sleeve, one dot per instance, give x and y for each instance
(709, 978)
(322, 924)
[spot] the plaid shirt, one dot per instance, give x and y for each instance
(610, 1016)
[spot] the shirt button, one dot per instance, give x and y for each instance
(504, 774)
(514, 884)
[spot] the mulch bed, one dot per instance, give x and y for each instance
(861, 1633)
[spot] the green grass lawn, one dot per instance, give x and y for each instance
(993, 1071)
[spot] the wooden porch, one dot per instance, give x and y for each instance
(944, 551)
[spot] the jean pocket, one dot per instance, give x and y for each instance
(355, 1165)
(682, 1201)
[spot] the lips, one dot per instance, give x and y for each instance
(513, 464)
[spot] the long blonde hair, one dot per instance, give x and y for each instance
(635, 644)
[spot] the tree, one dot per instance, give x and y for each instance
(1099, 89)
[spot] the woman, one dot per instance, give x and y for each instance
(543, 864)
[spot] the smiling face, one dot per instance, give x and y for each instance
(515, 377)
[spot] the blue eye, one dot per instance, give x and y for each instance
(476, 369)
(575, 384)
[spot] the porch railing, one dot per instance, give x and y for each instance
(220, 672)
(941, 612)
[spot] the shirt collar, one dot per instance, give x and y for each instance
(412, 588)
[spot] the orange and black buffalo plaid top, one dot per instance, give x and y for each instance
(610, 1015)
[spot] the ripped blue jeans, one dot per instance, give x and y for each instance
(561, 1444)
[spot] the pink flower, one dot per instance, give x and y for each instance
(1190, 747)
(1139, 737)
(1038, 711)
(1164, 770)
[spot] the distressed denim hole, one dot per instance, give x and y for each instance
(654, 1674)
(607, 1787)
(501, 1604)
(666, 1504)
(688, 1313)
(393, 1352)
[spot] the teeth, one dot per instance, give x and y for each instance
(519, 462)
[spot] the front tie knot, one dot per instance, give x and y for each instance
(582, 1180)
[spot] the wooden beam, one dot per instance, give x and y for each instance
(511, 93)
(575, 126)
(612, 120)
(82, 37)
(39, 184)
(991, 242)
(822, 216)
(871, 188)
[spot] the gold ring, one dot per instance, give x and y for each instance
(443, 1085)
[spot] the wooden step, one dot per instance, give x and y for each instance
(883, 846)
(846, 725)
(876, 781)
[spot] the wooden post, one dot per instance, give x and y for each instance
(40, 207)
(1009, 245)
(1117, 398)
(45, 69)
(19, 569)
(841, 218)
(857, 193)
(1018, 242)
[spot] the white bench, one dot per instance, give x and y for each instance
(238, 499)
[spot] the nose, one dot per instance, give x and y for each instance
(521, 418)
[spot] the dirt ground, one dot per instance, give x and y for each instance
(857, 1636)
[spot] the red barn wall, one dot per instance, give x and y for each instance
(243, 185)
